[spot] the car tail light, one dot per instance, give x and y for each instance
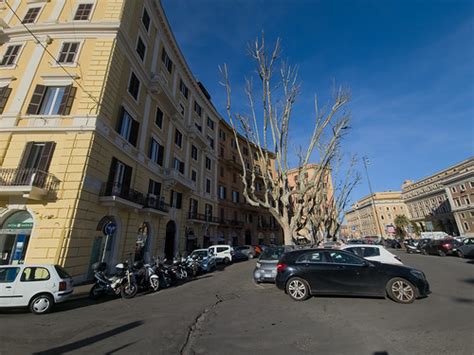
(62, 286)
(447, 246)
(281, 267)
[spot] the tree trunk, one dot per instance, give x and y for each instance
(287, 236)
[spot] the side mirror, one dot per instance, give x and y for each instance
(367, 263)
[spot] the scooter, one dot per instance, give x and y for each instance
(123, 282)
(145, 276)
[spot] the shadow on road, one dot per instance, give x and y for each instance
(91, 340)
(469, 281)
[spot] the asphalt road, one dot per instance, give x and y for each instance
(226, 313)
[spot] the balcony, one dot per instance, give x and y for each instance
(236, 164)
(32, 184)
(155, 204)
(120, 195)
(174, 177)
(231, 223)
(203, 218)
(267, 226)
(195, 132)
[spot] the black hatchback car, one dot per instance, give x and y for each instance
(309, 272)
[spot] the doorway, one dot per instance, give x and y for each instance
(248, 237)
(170, 239)
(15, 234)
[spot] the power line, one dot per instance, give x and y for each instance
(52, 56)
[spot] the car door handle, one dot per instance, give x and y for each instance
(8, 287)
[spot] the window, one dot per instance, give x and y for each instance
(31, 15)
(233, 143)
(176, 199)
(364, 252)
(345, 258)
(193, 206)
(221, 153)
(178, 138)
(141, 48)
(246, 151)
(10, 55)
(8, 274)
(194, 175)
(197, 109)
(235, 196)
(211, 141)
(222, 192)
(466, 226)
(314, 257)
(208, 211)
(457, 203)
(166, 61)
(68, 52)
(181, 109)
(471, 183)
(222, 171)
(51, 100)
(208, 163)
(128, 127)
(467, 200)
(463, 215)
(210, 123)
(154, 188)
(234, 177)
(159, 117)
(37, 155)
(83, 12)
(146, 20)
(463, 187)
(194, 152)
(453, 189)
(208, 186)
(179, 165)
(134, 86)
(183, 88)
(4, 95)
(34, 274)
(156, 152)
(120, 177)
(222, 135)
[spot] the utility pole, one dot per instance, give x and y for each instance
(379, 228)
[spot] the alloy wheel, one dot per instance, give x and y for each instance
(403, 291)
(297, 289)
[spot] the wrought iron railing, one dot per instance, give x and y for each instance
(29, 177)
(203, 217)
(156, 202)
(123, 191)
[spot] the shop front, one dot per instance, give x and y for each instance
(15, 233)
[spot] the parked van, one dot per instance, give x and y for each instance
(433, 235)
(222, 252)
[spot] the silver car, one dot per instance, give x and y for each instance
(266, 268)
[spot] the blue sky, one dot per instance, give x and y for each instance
(408, 63)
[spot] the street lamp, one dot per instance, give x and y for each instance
(366, 162)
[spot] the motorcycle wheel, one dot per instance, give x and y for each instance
(154, 284)
(184, 274)
(129, 290)
(95, 292)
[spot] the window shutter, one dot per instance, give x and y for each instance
(150, 149)
(4, 94)
(179, 198)
(112, 171)
(36, 100)
(120, 119)
(171, 198)
(181, 167)
(160, 154)
(26, 154)
(67, 100)
(127, 179)
(134, 132)
(46, 156)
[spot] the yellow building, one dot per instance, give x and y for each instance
(108, 144)
(374, 215)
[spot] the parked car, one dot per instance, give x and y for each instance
(239, 256)
(392, 243)
(207, 260)
(247, 250)
(265, 269)
(441, 247)
(222, 253)
(373, 252)
(466, 248)
(38, 287)
(355, 241)
(304, 273)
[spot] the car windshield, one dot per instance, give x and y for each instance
(272, 253)
(200, 253)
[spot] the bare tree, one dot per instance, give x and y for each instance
(266, 132)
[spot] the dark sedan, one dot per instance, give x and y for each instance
(309, 272)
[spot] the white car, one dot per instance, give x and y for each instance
(222, 253)
(38, 287)
(373, 252)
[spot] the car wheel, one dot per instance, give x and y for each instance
(226, 261)
(401, 290)
(460, 254)
(41, 304)
(297, 289)
(441, 253)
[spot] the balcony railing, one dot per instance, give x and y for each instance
(156, 202)
(203, 217)
(27, 179)
(176, 177)
(123, 191)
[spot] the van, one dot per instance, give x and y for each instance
(222, 253)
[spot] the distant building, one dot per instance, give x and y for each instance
(374, 215)
(431, 201)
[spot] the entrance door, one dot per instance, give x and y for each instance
(248, 238)
(169, 241)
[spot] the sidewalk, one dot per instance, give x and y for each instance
(81, 291)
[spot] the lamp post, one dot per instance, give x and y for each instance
(377, 222)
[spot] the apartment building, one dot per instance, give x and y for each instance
(374, 215)
(108, 144)
(432, 201)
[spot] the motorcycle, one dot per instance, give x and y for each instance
(179, 269)
(122, 282)
(192, 265)
(145, 276)
(164, 274)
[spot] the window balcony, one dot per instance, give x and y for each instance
(120, 195)
(32, 184)
(174, 177)
(195, 133)
(203, 218)
(156, 204)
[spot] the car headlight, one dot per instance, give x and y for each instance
(258, 265)
(418, 274)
